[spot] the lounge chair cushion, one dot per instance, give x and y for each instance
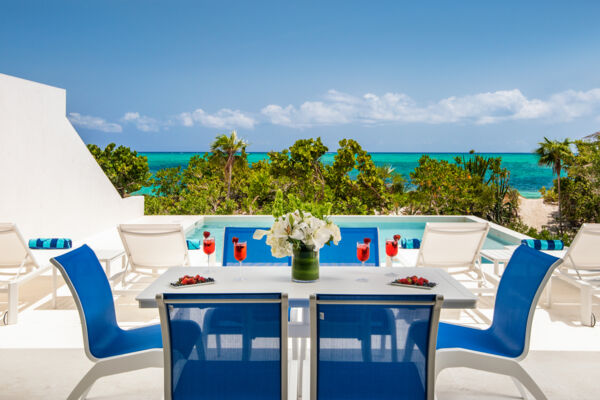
(193, 244)
(50, 243)
(410, 243)
(543, 244)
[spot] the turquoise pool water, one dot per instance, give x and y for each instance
(216, 226)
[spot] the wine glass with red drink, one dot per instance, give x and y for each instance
(208, 246)
(240, 250)
(363, 252)
(391, 249)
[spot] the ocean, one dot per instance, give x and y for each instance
(525, 173)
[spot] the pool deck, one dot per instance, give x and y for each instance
(43, 357)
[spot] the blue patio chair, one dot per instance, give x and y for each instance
(401, 367)
(245, 368)
(500, 347)
(112, 349)
(344, 254)
(258, 252)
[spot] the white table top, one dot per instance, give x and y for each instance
(333, 280)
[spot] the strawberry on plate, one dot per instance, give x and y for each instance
(415, 281)
(187, 280)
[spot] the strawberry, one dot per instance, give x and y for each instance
(367, 240)
(202, 279)
(235, 239)
(397, 237)
(197, 277)
(206, 234)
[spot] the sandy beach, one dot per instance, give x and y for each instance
(536, 213)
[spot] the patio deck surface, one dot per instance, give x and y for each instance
(42, 356)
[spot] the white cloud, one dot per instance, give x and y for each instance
(94, 123)
(142, 122)
(224, 118)
(338, 108)
(482, 108)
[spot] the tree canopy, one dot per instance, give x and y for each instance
(127, 170)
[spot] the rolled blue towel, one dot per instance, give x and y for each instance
(54, 243)
(544, 244)
(194, 244)
(410, 243)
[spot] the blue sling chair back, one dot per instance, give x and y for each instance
(402, 366)
(257, 253)
(112, 349)
(344, 254)
(500, 347)
(244, 369)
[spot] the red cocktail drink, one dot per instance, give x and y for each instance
(363, 251)
(391, 247)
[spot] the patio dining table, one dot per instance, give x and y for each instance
(332, 280)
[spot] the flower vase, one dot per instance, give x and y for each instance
(305, 264)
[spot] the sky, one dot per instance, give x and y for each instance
(398, 76)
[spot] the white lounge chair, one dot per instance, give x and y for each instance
(19, 264)
(581, 268)
(454, 245)
(153, 247)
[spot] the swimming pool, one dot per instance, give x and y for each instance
(408, 227)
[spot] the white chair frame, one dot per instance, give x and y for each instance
(581, 276)
(449, 228)
(150, 231)
(456, 357)
(110, 365)
(11, 287)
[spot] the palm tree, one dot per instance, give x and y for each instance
(553, 153)
(226, 147)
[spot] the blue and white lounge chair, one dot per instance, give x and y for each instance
(112, 349)
(19, 264)
(253, 365)
(401, 367)
(500, 347)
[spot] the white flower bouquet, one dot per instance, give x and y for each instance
(299, 229)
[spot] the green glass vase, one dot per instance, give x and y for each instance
(305, 264)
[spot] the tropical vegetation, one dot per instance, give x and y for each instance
(127, 170)
(223, 181)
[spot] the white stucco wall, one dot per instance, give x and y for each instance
(50, 184)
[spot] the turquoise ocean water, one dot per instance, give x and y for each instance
(525, 174)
